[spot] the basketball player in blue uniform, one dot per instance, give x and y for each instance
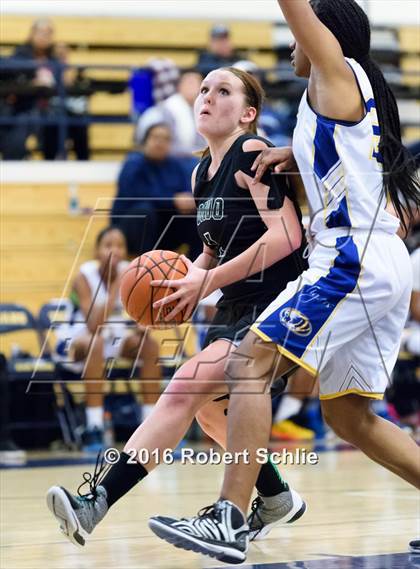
(253, 245)
(342, 318)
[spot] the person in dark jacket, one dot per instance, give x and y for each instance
(154, 190)
(33, 105)
(220, 52)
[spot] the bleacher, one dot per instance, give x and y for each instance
(128, 43)
(131, 43)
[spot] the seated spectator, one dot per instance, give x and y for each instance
(154, 205)
(220, 52)
(178, 113)
(39, 49)
(75, 106)
(83, 339)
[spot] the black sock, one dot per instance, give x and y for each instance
(122, 477)
(269, 481)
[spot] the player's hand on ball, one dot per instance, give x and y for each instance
(189, 291)
(282, 159)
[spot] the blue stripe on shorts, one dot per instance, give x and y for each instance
(294, 324)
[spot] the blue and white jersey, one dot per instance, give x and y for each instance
(341, 167)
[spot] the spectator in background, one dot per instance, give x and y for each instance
(154, 190)
(76, 105)
(84, 339)
(220, 52)
(177, 112)
(165, 77)
(39, 49)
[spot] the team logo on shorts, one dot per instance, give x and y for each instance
(295, 321)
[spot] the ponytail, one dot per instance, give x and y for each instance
(350, 25)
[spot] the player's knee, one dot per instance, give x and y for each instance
(131, 347)
(88, 346)
(176, 399)
(337, 424)
(149, 348)
(334, 420)
(349, 426)
(181, 394)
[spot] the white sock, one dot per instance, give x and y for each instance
(288, 407)
(146, 409)
(95, 417)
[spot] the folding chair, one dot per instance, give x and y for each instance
(30, 373)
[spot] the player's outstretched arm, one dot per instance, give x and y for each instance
(333, 90)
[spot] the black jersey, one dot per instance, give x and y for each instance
(229, 222)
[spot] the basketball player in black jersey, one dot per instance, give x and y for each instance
(252, 246)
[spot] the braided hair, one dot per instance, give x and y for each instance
(350, 26)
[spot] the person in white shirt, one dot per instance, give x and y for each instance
(177, 112)
(96, 330)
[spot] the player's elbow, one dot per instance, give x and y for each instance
(295, 239)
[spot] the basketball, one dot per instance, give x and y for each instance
(138, 296)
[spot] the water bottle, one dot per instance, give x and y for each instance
(74, 207)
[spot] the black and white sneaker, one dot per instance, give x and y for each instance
(415, 546)
(79, 515)
(268, 512)
(219, 530)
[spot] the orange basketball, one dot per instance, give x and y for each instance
(138, 296)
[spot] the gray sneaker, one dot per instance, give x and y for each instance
(77, 515)
(268, 512)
